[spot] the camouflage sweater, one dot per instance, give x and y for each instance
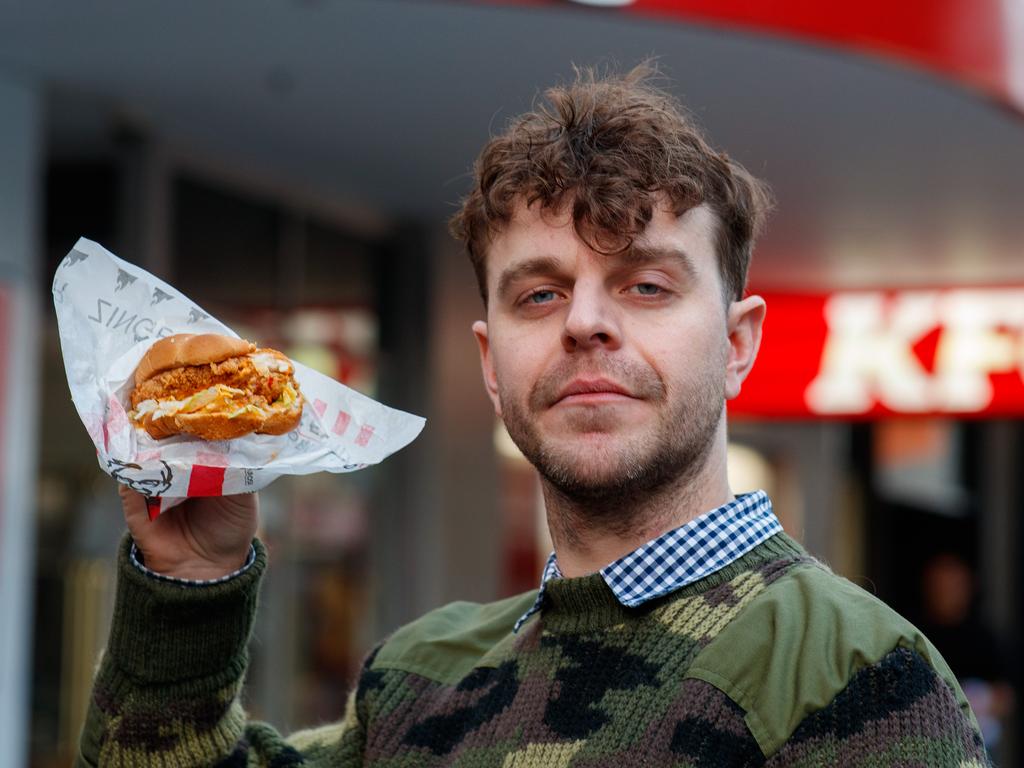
(771, 661)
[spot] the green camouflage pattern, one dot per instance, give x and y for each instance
(586, 682)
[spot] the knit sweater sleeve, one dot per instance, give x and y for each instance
(168, 687)
(895, 712)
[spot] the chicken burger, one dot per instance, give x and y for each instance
(214, 387)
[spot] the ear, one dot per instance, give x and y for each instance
(745, 320)
(487, 364)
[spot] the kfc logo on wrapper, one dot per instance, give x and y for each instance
(148, 482)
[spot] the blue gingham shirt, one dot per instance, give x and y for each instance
(683, 555)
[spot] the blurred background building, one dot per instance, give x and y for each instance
(290, 166)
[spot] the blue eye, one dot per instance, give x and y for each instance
(541, 297)
(647, 289)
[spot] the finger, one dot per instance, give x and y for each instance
(134, 505)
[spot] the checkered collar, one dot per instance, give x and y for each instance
(683, 555)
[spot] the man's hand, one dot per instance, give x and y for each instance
(202, 538)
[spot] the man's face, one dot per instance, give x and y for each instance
(611, 372)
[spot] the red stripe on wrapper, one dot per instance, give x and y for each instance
(206, 481)
(153, 507)
(212, 459)
(341, 423)
(364, 435)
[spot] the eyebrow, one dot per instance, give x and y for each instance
(540, 265)
(639, 253)
(635, 255)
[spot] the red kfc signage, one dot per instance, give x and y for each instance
(862, 354)
(978, 42)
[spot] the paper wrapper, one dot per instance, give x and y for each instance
(109, 312)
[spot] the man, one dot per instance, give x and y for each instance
(675, 624)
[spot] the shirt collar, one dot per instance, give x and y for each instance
(683, 555)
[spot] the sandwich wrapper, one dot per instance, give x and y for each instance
(109, 312)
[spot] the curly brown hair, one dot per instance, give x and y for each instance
(611, 145)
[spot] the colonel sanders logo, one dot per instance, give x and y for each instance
(148, 482)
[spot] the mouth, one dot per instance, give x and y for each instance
(593, 392)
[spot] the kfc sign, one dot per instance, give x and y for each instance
(979, 43)
(860, 354)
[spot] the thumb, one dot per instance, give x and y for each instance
(136, 512)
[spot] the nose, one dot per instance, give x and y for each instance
(592, 322)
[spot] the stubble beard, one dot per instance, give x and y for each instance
(612, 483)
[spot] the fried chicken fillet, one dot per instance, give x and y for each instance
(214, 387)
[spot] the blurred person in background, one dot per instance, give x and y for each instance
(675, 623)
(952, 621)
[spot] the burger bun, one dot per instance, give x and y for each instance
(189, 349)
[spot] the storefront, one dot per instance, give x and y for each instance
(294, 172)
(904, 407)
